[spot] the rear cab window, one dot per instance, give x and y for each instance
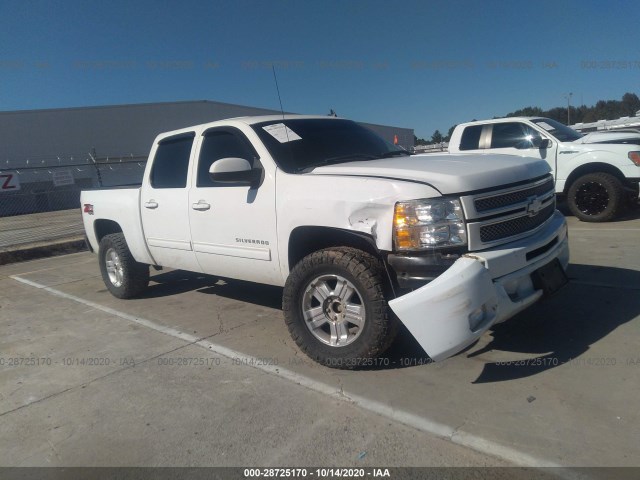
(470, 139)
(171, 162)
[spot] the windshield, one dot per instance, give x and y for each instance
(557, 129)
(300, 145)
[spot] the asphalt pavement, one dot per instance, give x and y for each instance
(201, 371)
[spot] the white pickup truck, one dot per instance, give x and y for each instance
(360, 234)
(598, 173)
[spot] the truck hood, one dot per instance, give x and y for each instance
(610, 137)
(449, 174)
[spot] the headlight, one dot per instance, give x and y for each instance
(427, 224)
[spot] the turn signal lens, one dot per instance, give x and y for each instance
(635, 157)
(403, 238)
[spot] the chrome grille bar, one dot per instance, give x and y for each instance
(508, 214)
(493, 202)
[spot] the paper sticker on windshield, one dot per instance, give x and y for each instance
(545, 125)
(281, 132)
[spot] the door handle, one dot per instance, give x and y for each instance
(151, 204)
(201, 205)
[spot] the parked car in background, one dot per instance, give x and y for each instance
(598, 173)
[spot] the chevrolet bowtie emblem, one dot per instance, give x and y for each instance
(534, 205)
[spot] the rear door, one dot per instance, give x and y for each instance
(164, 203)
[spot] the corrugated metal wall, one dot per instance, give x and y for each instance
(121, 129)
(98, 146)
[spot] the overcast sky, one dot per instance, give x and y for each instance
(420, 64)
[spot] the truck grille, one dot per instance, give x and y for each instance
(506, 199)
(507, 214)
(517, 226)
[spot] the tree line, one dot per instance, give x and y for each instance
(602, 110)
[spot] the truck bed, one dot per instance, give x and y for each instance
(119, 205)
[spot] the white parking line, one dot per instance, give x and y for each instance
(453, 434)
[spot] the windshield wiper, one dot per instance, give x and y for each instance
(352, 157)
(395, 153)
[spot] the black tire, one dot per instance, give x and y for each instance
(596, 197)
(633, 202)
(127, 278)
(366, 275)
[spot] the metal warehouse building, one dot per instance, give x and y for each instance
(48, 156)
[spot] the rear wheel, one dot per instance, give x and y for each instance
(335, 307)
(596, 197)
(123, 276)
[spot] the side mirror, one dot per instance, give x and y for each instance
(539, 142)
(235, 170)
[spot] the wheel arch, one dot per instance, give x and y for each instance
(103, 227)
(592, 167)
(305, 240)
(133, 235)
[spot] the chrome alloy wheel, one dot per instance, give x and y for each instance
(114, 267)
(333, 310)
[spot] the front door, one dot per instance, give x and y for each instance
(233, 226)
(514, 138)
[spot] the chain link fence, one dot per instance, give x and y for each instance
(30, 189)
(50, 184)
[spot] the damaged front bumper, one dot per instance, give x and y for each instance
(481, 289)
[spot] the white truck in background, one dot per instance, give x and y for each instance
(625, 136)
(360, 234)
(598, 174)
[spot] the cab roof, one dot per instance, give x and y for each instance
(248, 120)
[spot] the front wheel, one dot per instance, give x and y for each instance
(123, 276)
(335, 307)
(596, 197)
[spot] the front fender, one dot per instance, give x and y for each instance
(609, 160)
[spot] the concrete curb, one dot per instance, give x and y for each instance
(37, 250)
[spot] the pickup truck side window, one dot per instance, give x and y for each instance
(171, 162)
(219, 144)
(511, 135)
(471, 138)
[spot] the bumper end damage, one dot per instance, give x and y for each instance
(453, 311)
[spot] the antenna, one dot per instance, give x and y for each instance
(277, 89)
(286, 129)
